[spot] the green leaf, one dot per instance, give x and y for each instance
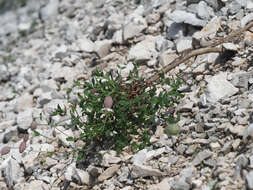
(36, 133)
(80, 155)
(70, 139)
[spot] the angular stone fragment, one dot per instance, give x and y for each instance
(218, 87)
(201, 157)
(144, 171)
(109, 172)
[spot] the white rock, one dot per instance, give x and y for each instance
(44, 98)
(103, 47)
(144, 50)
(230, 46)
(215, 145)
(25, 118)
(63, 134)
(85, 45)
(185, 17)
(245, 20)
(84, 176)
(134, 28)
(50, 10)
(183, 44)
(218, 87)
(23, 102)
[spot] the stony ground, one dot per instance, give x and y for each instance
(46, 45)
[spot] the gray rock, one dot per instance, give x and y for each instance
(241, 163)
(144, 171)
(9, 134)
(238, 130)
(50, 10)
(44, 98)
(248, 132)
(83, 176)
(12, 171)
(163, 185)
(25, 118)
(227, 147)
(249, 179)
(143, 51)
(85, 45)
(201, 156)
(124, 174)
(218, 87)
(134, 28)
(103, 47)
(233, 7)
(180, 16)
(110, 158)
(175, 30)
(204, 10)
(181, 184)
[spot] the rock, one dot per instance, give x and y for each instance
(50, 10)
(245, 20)
(140, 157)
(44, 98)
(143, 51)
(215, 146)
(218, 87)
(183, 44)
(103, 47)
(24, 102)
(7, 124)
(153, 18)
(200, 38)
(50, 162)
(36, 184)
(204, 11)
(248, 132)
(201, 156)
(249, 179)
(175, 31)
(25, 118)
(230, 46)
(109, 172)
(9, 134)
(110, 158)
(134, 29)
(84, 177)
(11, 171)
(227, 147)
(180, 16)
(163, 185)
(238, 130)
(181, 184)
(62, 134)
(85, 45)
(144, 171)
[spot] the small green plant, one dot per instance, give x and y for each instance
(113, 112)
